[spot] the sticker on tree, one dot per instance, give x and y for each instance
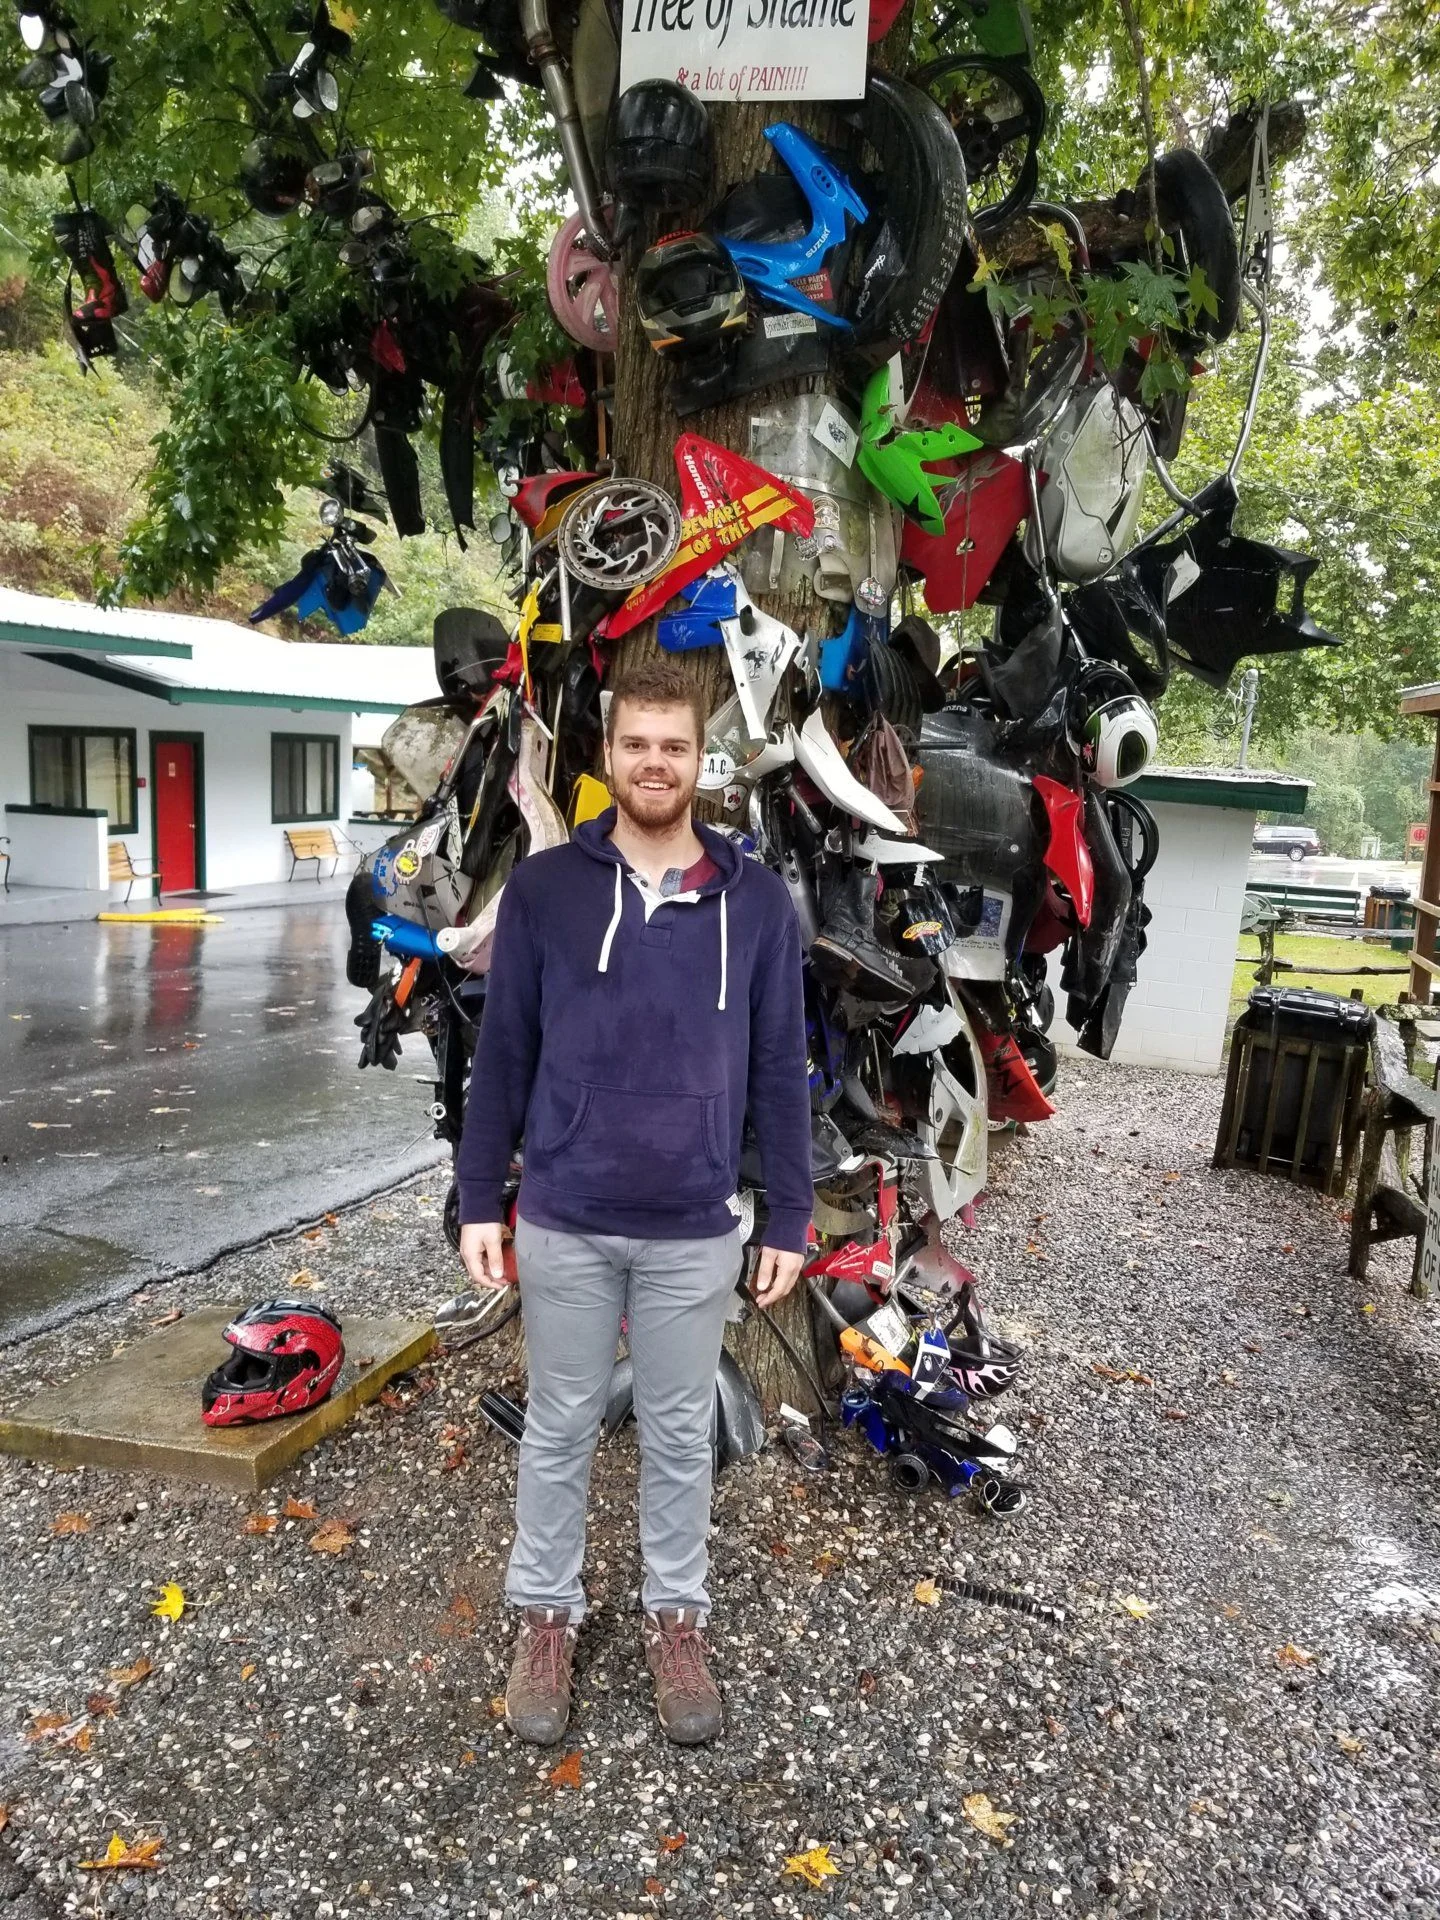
(748, 49)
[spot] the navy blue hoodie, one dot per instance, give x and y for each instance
(626, 1037)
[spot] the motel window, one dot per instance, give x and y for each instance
(304, 776)
(79, 769)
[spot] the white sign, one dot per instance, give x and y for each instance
(748, 49)
(1428, 1259)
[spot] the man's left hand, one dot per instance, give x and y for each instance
(775, 1274)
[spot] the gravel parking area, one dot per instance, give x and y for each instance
(1232, 1459)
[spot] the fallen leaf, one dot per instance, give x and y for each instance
(467, 1758)
(1175, 1413)
(778, 1549)
(302, 1277)
(1137, 1608)
(1172, 1176)
(248, 1671)
(1130, 1375)
(654, 1886)
(332, 1219)
(811, 1867)
(4, 1818)
(124, 1857)
(827, 1563)
(567, 1772)
(70, 1523)
(396, 1402)
(313, 1233)
(101, 1706)
(1230, 1613)
(1253, 1346)
(80, 1739)
(171, 1603)
(300, 1509)
(461, 1616)
(261, 1522)
(332, 1536)
(927, 1593)
(169, 1319)
(986, 1819)
(867, 1682)
(1055, 1728)
(497, 1706)
(131, 1676)
(1369, 1307)
(673, 1842)
(1292, 1656)
(453, 1460)
(1348, 1743)
(43, 1723)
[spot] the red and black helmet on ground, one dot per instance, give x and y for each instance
(288, 1354)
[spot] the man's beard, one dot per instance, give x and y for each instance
(654, 812)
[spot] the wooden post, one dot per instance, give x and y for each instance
(1425, 923)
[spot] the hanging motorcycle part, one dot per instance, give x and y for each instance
(775, 269)
(998, 113)
(583, 287)
(555, 78)
(619, 534)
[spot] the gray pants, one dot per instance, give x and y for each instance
(675, 1295)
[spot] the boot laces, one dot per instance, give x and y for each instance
(545, 1657)
(682, 1662)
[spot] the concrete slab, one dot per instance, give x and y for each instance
(141, 1411)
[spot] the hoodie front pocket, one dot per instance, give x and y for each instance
(654, 1149)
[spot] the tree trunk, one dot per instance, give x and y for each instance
(646, 429)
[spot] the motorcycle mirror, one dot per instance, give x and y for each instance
(500, 528)
(330, 512)
(327, 91)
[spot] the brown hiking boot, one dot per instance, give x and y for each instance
(537, 1698)
(686, 1698)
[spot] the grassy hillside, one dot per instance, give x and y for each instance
(74, 447)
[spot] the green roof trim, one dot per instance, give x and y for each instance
(1244, 792)
(174, 696)
(73, 642)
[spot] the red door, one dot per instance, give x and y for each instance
(175, 814)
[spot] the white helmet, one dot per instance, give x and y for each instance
(1120, 741)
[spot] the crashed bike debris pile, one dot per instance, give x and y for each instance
(944, 819)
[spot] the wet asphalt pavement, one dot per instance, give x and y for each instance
(170, 1092)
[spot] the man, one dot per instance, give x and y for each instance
(643, 998)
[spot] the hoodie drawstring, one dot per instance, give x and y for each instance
(604, 966)
(613, 928)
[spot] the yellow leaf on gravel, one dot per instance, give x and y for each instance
(260, 1523)
(986, 1819)
(301, 1509)
(927, 1593)
(1137, 1608)
(1348, 1743)
(332, 1536)
(812, 1867)
(497, 1706)
(247, 1672)
(124, 1857)
(171, 1603)
(131, 1676)
(1292, 1656)
(70, 1523)
(43, 1723)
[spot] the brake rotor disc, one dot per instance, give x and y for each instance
(619, 534)
(584, 290)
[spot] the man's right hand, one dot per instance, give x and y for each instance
(483, 1251)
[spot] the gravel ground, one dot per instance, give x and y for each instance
(1236, 1718)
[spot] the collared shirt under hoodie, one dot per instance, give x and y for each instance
(625, 1035)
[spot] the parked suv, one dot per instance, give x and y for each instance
(1294, 842)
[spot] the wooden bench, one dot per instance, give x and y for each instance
(312, 843)
(122, 867)
(1336, 906)
(1395, 1103)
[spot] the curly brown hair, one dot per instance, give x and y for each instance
(657, 683)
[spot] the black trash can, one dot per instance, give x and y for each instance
(1297, 1065)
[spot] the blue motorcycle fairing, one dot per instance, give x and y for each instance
(771, 268)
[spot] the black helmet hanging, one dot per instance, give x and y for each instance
(272, 176)
(688, 292)
(659, 151)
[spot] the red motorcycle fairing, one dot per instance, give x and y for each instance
(989, 500)
(1068, 854)
(541, 493)
(1012, 1089)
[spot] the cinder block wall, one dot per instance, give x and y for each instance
(1175, 1016)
